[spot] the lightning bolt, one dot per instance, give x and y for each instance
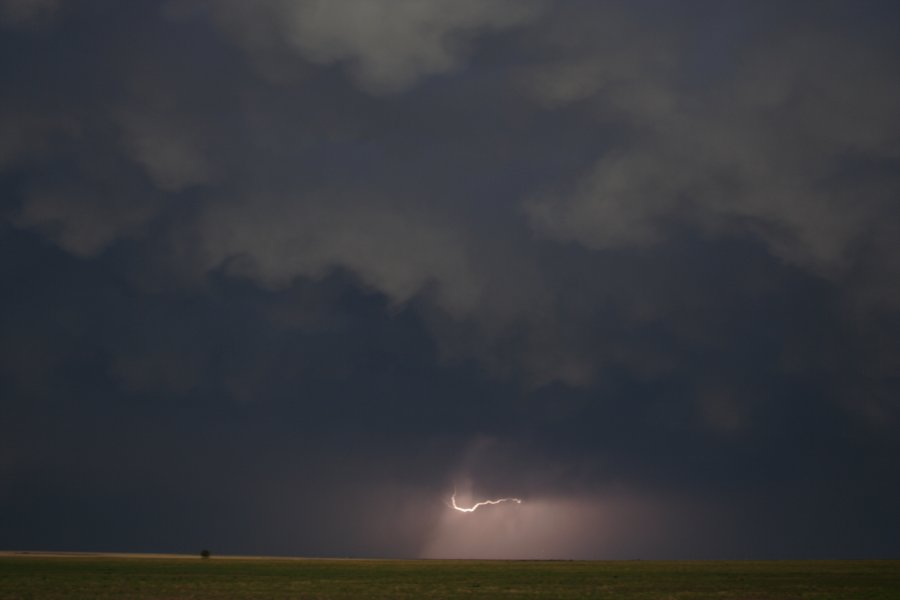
(477, 505)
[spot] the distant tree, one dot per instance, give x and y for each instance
(204, 553)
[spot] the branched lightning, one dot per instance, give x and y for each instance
(476, 506)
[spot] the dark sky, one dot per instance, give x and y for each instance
(280, 276)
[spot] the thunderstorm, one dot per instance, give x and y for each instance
(477, 505)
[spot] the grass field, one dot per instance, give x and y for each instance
(123, 576)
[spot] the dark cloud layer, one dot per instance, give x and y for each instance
(280, 276)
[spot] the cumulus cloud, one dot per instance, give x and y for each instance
(86, 220)
(397, 252)
(168, 153)
(764, 148)
(515, 251)
(387, 44)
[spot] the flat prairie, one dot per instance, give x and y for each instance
(48, 576)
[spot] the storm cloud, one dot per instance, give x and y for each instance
(280, 276)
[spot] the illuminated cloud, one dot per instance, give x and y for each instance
(616, 525)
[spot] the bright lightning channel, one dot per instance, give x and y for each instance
(477, 505)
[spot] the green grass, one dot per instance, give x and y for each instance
(52, 577)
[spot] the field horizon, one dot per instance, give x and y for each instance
(62, 574)
(197, 555)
